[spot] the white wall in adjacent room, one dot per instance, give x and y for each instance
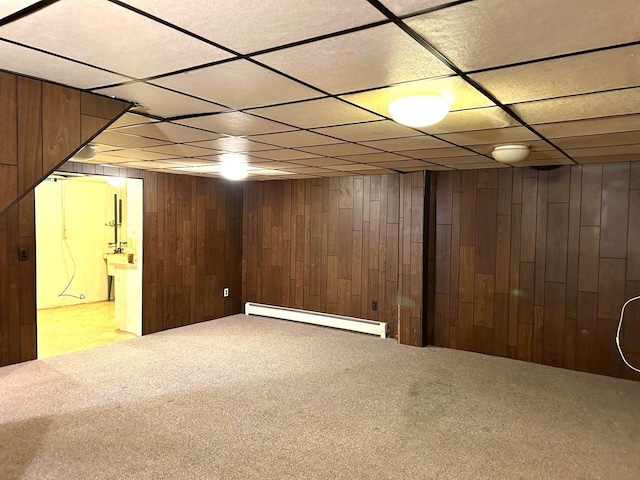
(71, 239)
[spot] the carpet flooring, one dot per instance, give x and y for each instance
(250, 397)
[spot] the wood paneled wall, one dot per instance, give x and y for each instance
(192, 250)
(18, 283)
(536, 264)
(336, 245)
(41, 125)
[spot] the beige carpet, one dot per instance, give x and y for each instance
(248, 397)
(77, 327)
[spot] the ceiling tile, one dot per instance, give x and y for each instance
(401, 164)
(593, 126)
(548, 162)
(148, 164)
(591, 105)
(234, 24)
(605, 140)
(316, 113)
(405, 7)
(465, 96)
(461, 160)
(488, 33)
(296, 138)
(373, 157)
(369, 58)
(606, 151)
(189, 162)
(235, 124)
(406, 143)
(357, 132)
(609, 158)
(321, 161)
(303, 169)
(55, 69)
(437, 152)
(370, 169)
(285, 154)
(592, 72)
(138, 154)
(340, 149)
(177, 150)
(169, 131)
(102, 159)
(122, 140)
(233, 144)
(483, 165)
(9, 8)
(102, 31)
(475, 119)
(275, 165)
(493, 135)
(158, 101)
(238, 84)
(130, 119)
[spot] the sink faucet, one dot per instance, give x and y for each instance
(118, 247)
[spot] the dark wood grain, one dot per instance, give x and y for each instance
(560, 280)
(9, 115)
(29, 133)
(486, 228)
(60, 124)
(37, 117)
(615, 210)
(591, 195)
(557, 242)
(357, 239)
(541, 229)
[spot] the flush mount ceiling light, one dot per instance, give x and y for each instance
(233, 166)
(86, 152)
(511, 153)
(421, 110)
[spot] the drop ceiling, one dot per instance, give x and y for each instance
(301, 88)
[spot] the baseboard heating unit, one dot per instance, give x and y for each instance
(324, 319)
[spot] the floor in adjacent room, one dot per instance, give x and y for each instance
(77, 327)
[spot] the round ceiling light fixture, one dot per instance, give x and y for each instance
(233, 166)
(86, 152)
(513, 153)
(421, 110)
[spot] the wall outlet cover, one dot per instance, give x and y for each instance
(225, 292)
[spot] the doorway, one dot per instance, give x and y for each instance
(88, 261)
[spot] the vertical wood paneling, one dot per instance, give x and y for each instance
(9, 115)
(563, 255)
(615, 210)
(17, 283)
(486, 227)
(193, 249)
(557, 242)
(357, 239)
(40, 128)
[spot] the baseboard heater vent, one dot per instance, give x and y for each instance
(324, 319)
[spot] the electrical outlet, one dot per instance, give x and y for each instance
(23, 255)
(225, 292)
(374, 306)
